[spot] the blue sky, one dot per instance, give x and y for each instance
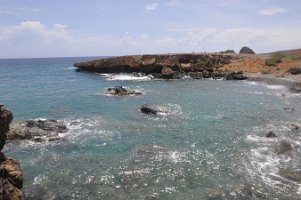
(58, 28)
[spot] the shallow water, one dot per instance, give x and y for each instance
(208, 139)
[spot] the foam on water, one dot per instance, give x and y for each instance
(127, 77)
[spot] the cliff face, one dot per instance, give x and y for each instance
(155, 63)
(11, 178)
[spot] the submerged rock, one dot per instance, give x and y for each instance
(146, 109)
(121, 91)
(292, 174)
(284, 147)
(271, 134)
(36, 130)
(296, 88)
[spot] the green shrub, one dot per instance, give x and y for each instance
(293, 56)
(275, 59)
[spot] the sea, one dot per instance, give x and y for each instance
(207, 143)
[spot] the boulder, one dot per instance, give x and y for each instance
(284, 147)
(295, 70)
(235, 76)
(5, 119)
(146, 109)
(36, 130)
(246, 50)
(177, 75)
(121, 91)
(217, 75)
(206, 74)
(271, 134)
(167, 72)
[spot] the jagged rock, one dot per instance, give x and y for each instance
(235, 76)
(36, 130)
(295, 70)
(271, 134)
(5, 119)
(11, 177)
(284, 147)
(196, 75)
(121, 91)
(167, 72)
(246, 50)
(146, 109)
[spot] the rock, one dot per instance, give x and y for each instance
(284, 147)
(196, 75)
(271, 134)
(146, 109)
(292, 174)
(217, 75)
(11, 177)
(289, 109)
(5, 119)
(206, 74)
(235, 76)
(295, 70)
(121, 91)
(156, 76)
(296, 88)
(177, 75)
(246, 50)
(36, 130)
(12, 171)
(155, 63)
(228, 51)
(167, 72)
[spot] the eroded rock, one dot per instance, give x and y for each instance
(36, 130)
(121, 91)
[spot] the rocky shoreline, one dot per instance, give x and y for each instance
(167, 66)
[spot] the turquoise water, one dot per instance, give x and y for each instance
(210, 139)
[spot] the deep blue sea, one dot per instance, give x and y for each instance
(210, 141)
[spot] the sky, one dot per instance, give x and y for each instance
(66, 28)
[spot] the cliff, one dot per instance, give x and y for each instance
(155, 63)
(11, 177)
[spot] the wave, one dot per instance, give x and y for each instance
(127, 77)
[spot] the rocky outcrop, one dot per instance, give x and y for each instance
(37, 130)
(246, 50)
(11, 177)
(121, 91)
(155, 63)
(146, 109)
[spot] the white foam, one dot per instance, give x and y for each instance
(275, 87)
(126, 77)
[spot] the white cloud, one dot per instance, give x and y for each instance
(272, 11)
(151, 7)
(35, 39)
